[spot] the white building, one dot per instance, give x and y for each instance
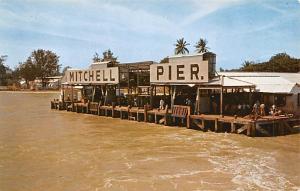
(281, 89)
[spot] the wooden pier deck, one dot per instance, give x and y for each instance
(263, 126)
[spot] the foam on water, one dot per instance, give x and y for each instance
(252, 169)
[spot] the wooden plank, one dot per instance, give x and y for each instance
(162, 120)
(198, 124)
(242, 129)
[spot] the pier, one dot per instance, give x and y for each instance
(185, 92)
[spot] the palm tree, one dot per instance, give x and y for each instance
(201, 46)
(181, 46)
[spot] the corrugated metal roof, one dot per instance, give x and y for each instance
(292, 77)
(229, 82)
(268, 82)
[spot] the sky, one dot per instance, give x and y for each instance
(139, 30)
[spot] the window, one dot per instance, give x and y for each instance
(298, 99)
(280, 100)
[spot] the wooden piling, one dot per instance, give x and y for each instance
(145, 113)
(216, 125)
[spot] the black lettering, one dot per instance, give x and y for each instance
(159, 71)
(71, 76)
(80, 72)
(110, 76)
(170, 72)
(98, 75)
(85, 76)
(194, 71)
(104, 79)
(179, 72)
(91, 75)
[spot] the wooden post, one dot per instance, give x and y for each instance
(72, 96)
(221, 96)
(105, 96)
(151, 96)
(128, 113)
(197, 109)
(119, 89)
(233, 127)
(188, 118)
(94, 92)
(216, 125)
(63, 95)
(113, 109)
(173, 96)
(250, 96)
(166, 116)
(145, 113)
(221, 102)
(251, 129)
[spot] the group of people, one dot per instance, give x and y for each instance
(258, 109)
(261, 109)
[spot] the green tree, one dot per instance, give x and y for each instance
(5, 72)
(165, 60)
(201, 46)
(27, 71)
(181, 46)
(46, 63)
(109, 56)
(96, 57)
(280, 62)
(2, 66)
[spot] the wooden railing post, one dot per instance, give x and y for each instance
(145, 113)
(188, 117)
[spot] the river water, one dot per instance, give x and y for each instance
(43, 149)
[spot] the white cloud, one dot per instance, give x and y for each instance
(205, 7)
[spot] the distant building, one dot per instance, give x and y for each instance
(281, 89)
(51, 83)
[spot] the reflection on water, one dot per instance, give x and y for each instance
(43, 149)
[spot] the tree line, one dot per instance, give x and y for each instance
(40, 65)
(281, 62)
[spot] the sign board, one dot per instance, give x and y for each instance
(179, 72)
(93, 76)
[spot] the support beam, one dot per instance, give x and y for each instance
(233, 127)
(216, 125)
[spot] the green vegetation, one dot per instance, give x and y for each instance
(181, 46)
(281, 62)
(3, 71)
(201, 46)
(108, 55)
(40, 64)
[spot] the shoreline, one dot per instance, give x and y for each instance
(30, 91)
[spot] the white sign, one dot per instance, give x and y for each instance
(93, 76)
(179, 72)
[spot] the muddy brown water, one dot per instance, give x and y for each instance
(43, 149)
